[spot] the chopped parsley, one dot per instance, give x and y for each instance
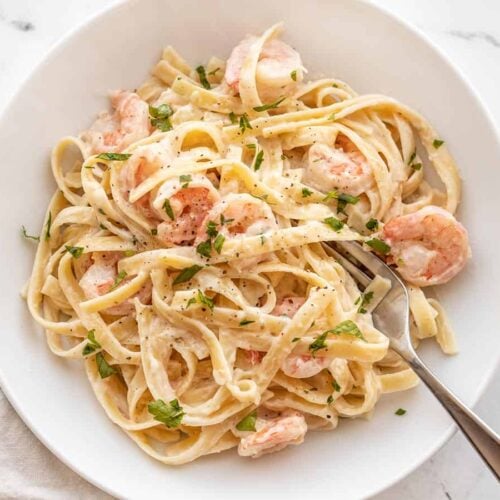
(219, 241)
(437, 143)
(416, 166)
(248, 423)
(91, 345)
(336, 386)
(203, 77)
(244, 123)
(119, 278)
(104, 368)
(154, 231)
(48, 225)
(185, 179)
(233, 118)
(160, 117)
(28, 236)
(169, 414)
(273, 105)
(246, 322)
(129, 253)
(363, 300)
(329, 399)
(412, 157)
(186, 274)
(400, 411)
(205, 248)
(201, 298)
(295, 339)
(379, 246)
(372, 224)
(341, 197)
(168, 209)
(318, 343)
(334, 223)
(76, 252)
(346, 327)
(212, 229)
(306, 192)
(113, 156)
(251, 146)
(331, 117)
(223, 220)
(293, 75)
(258, 160)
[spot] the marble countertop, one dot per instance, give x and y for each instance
(469, 33)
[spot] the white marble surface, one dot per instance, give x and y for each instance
(468, 32)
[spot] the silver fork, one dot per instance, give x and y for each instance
(392, 317)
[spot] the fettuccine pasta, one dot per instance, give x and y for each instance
(182, 254)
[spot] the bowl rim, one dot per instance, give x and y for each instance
(74, 32)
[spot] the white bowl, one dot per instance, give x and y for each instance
(352, 40)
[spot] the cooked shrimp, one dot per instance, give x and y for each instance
(330, 169)
(101, 276)
(183, 206)
(288, 306)
(277, 63)
(274, 434)
(429, 247)
(239, 214)
(114, 132)
(302, 366)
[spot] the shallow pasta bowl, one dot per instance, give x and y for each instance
(115, 50)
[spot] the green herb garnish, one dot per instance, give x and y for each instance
(203, 77)
(212, 229)
(293, 75)
(334, 223)
(412, 157)
(160, 117)
(205, 248)
(219, 241)
(372, 225)
(233, 118)
(318, 343)
(168, 209)
(48, 225)
(76, 252)
(91, 345)
(416, 166)
(119, 278)
(336, 386)
(295, 339)
(258, 160)
(400, 411)
(169, 414)
(28, 236)
(244, 123)
(248, 423)
(104, 368)
(186, 274)
(185, 179)
(347, 327)
(363, 300)
(273, 105)
(379, 246)
(331, 117)
(437, 143)
(154, 232)
(246, 322)
(306, 192)
(114, 156)
(329, 399)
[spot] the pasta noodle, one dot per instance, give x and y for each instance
(182, 258)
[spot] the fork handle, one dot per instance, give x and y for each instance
(480, 435)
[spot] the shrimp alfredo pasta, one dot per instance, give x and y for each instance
(181, 255)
